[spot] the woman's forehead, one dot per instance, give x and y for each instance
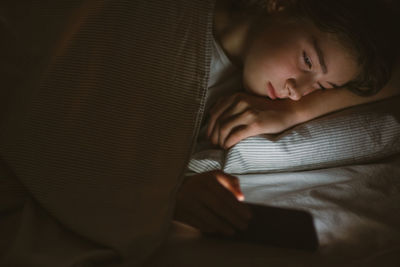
(337, 60)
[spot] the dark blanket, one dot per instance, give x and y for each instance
(97, 129)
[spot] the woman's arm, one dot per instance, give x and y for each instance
(323, 102)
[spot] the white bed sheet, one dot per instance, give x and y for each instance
(356, 212)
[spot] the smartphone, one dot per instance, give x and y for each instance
(282, 227)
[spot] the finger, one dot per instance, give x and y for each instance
(227, 196)
(229, 125)
(216, 111)
(215, 134)
(218, 108)
(238, 134)
(224, 210)
(237, 107)
(234, 211)
(232, 184)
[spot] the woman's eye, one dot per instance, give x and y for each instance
(321, 87)
(307, 60)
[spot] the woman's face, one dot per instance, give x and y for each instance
(290, 60)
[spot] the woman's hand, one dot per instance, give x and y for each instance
(242, 115)
(210, 201)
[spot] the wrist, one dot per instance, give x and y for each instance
(312, 106)
(293, 113)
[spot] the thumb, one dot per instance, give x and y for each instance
(232, 184)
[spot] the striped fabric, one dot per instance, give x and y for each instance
(101, 134)
(357, 135)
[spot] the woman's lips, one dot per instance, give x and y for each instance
(271, 92)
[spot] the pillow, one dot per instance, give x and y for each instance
(355, 135)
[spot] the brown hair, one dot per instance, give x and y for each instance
(366, 26)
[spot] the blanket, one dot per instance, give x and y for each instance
(96, 136)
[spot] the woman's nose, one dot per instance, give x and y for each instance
(299, 88)
(293, 91)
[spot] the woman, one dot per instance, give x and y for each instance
(299, 60)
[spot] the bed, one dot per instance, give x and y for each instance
(88, 132)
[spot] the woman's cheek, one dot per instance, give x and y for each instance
(250, 76)
(250, 82)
